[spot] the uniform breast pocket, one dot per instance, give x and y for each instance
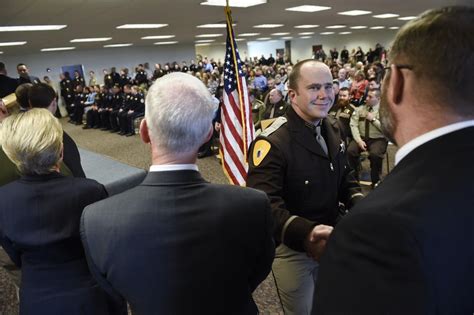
(302, 189)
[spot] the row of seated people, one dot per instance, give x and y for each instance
(114, 110)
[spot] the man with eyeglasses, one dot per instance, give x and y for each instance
(407, 248)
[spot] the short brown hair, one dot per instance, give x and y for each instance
(295, 73)
(41, 95)
(439, 46)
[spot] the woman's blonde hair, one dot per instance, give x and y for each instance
(33, 141)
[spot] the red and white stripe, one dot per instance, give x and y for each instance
(234, 160)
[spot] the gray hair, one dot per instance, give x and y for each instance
(179, 111)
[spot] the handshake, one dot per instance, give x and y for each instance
(315, 242)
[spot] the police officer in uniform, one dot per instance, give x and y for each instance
(300, 162)
(78, 105)
(108, 80)
(67, 91)
(135, 108)
(119, 104)
(113, 102)
(78, 80)
(141, 78)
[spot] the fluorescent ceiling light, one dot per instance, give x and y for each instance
(280, 34)
(354, 12)
(140, 26)
(386, 16)
(326, 33)
(219, 25)
(249, 34)
(307, 26)
(58, 49)
(87, 40)
(306, 33)
(25, 28)
(308, 8)
(287, 37)
(344, 33)
(359, 27)
(407, 18)
(335, 26)
(239, 39)
(235, 3)
(158, 37)
(203, 44)
(205, 41)
(12, 44)
(377, 27)
(394, 27)
(118, 45)
(264, 38)
(268, 25)
(208, 35)
(305, 37)
(165, 43)
(1, 52)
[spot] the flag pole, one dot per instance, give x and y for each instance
(239, 87)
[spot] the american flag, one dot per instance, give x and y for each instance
(237, 130)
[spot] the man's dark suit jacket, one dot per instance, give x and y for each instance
(177, 244)
(39, 230)
(7, 85)
(408, 247)
(72, 158)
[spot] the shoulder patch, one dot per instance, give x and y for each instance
(260, 151)
(280, 121)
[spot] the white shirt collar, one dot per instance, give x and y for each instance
(173, 167)
(433, 134)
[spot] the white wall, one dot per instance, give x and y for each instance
(99, 59)
(217, 51)
(302, 48)
(259, 48)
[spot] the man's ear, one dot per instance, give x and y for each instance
(396, 85)
(291, 95)
(144, 133)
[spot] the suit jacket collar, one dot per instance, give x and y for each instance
(41, 178)
(304, 136)
(173, 178)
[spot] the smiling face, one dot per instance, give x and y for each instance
(314, 95)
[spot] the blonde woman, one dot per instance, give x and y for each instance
(39, 221)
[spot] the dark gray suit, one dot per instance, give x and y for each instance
(177, 244)
(408, 247)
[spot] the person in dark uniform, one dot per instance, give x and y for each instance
(105, 100)
(193, 66)
(115, 76)
(300, 162)
(342, 111)
(184, 67)
(124, 78)
(136, 108)
(78, 105)
(108, 81)
(115, 106)
(158, 72)
(67, 91)
(78, 80)
(25, 76)
(7, 85)
(92, 115)
(141, 78)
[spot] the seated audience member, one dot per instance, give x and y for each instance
(342, 111)
(258, 108)
(367, 133)
(358, 87)
(134, 109)
(276, 105)
(176, 227)
(42, 95)
(407, 248)
(87, 99)
(39, 226)
(117, 104)
(77, 105)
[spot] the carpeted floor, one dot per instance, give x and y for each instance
(132, 151)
